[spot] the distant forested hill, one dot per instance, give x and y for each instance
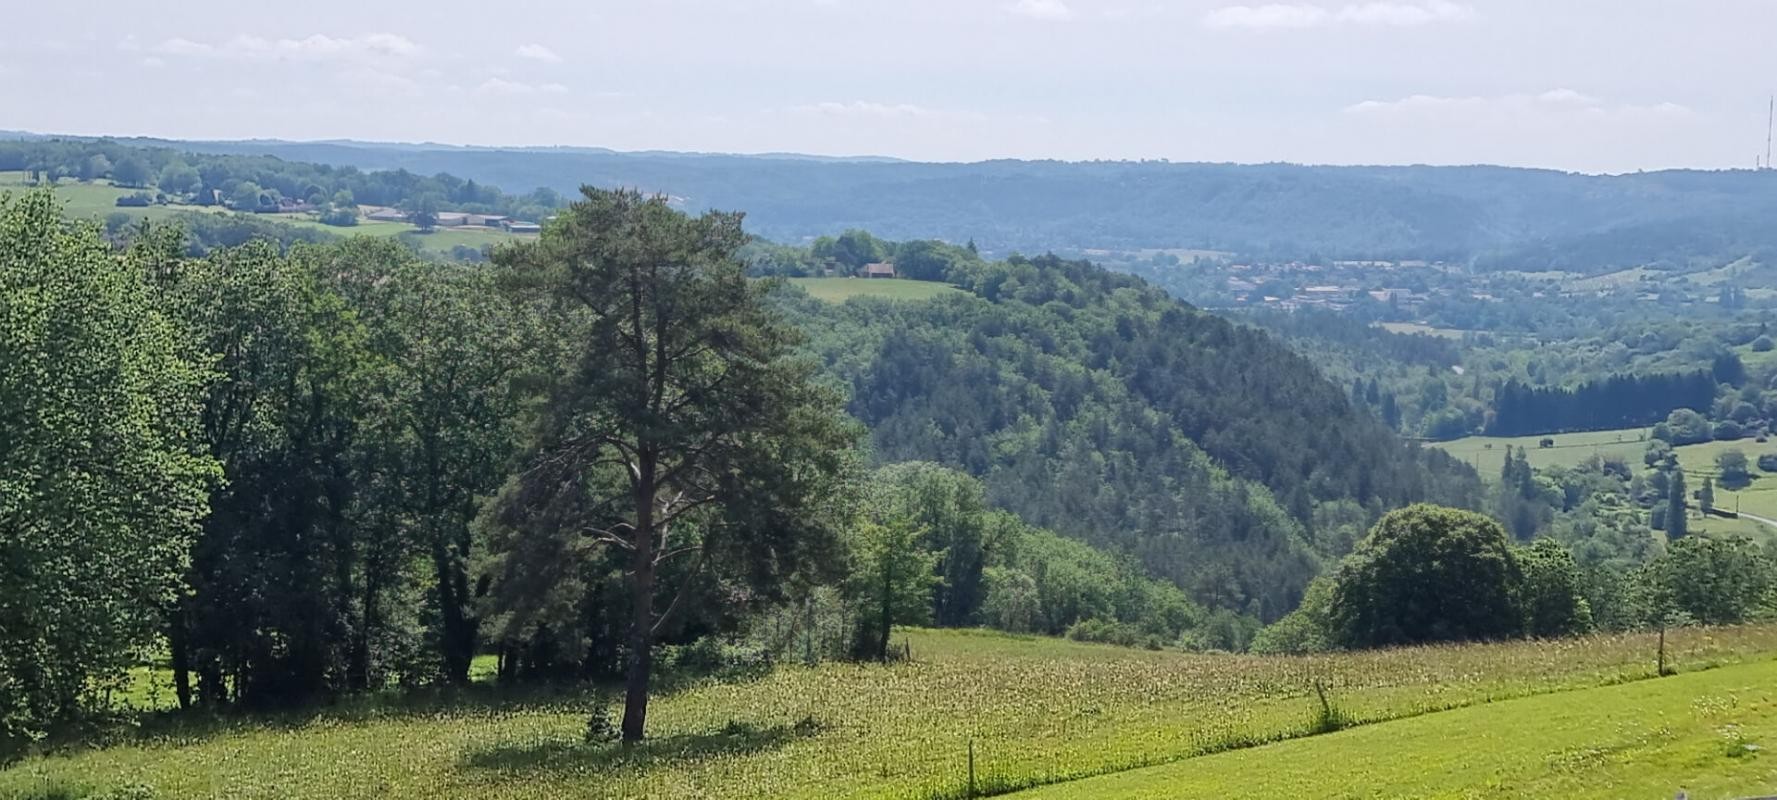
(1499, 217)
(1094, 404)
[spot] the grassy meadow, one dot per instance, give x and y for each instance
(1759, 498)
(1705, 733)
(1487, 453)
(1410, 328)
(838, 290)
(97, 200)
(1039, 711)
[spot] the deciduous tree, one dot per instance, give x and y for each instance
(676, 423)
(102, 485)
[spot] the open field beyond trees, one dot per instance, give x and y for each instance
(98, 199)
(838, 290)
(1487, 453)
(1039, 711)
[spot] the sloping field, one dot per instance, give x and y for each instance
(1038, 710)
(838, 290)
(1708, 734)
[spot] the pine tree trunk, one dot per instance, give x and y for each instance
(641, 634)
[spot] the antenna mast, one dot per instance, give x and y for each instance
(1770, 120)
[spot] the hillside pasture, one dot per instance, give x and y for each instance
(1705, 733)
(839, 290)
(1411, 328)
(1038, 710)
(1487, 453)
(97, 200)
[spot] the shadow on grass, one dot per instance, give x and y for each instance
(475, 701)
(563, 755)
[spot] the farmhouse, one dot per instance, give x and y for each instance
(878, 270)
(382, 214)
(520, 226)
(452, 219)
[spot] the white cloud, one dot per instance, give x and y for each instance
(1276, 16)
(154, 62)
(1054, 10)
(183, 47)
(862, 109)
(1405, 14)
(1554, 102)
(318, 47)
(537, 52)
(501, 86)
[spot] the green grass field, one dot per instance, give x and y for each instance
(1410, 328)
(1487, 453)
(1038, 710)
(1757, 498)
(1708, 734)
(96, 201)
(838, 290)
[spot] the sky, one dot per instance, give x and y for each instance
(1582, 85)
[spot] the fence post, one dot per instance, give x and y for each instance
(1662, 667)
(971, 769)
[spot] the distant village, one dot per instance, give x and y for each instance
(1338, 285)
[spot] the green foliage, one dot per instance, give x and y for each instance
(675, 425)
(1551, 592)
(101, 484)
(1685, 426)
(1308, 629)
(851, 250)
(1428, 574)
(198, 174)
(950, 511)
(1733, 468)
(1711, 581)
(1677, 512)
(1093, 405)
(891, 582)
(178, 178)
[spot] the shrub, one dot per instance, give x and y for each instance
(1105, 632)
(1427, 574)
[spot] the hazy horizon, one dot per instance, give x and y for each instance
(1335, 82)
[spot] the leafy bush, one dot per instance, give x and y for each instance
(1106, 632)
(340, 217)
(1428, 574)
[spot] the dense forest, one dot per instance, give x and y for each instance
(1620, 401)
(1093, 403)
(1494, 216)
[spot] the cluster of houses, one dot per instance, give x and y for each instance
(1335, 287)
(453, 219)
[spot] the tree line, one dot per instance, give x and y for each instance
(249, 182)
(297, 473)
(1428, 574)
(1618, 401)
